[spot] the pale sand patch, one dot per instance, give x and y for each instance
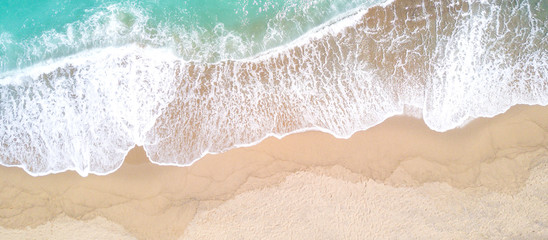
(154, 202)
(312, 205)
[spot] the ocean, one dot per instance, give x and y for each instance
(83, 82)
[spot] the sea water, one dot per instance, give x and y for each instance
(207, 30)
(82, 82)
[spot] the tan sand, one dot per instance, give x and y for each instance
(396, 179)
(314, 205)
(64, 227)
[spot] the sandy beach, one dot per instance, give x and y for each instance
(399, 179)
(330, 119)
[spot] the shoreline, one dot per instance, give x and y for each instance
(342, 82)
(159, 202)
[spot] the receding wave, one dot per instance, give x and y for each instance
(447, 62)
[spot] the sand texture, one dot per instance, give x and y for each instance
(397, 179)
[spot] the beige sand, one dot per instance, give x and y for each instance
(311, 205)
(398, 178)
(64, 227)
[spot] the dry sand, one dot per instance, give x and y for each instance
(488, 179)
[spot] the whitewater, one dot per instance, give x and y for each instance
(81, 96)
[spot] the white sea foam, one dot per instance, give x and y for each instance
(83, 113)
(86, 111)
(329, 84)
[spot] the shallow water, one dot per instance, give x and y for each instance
(185, 81)
(209, 30)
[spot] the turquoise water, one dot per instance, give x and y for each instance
(82, 82)
(205, 30)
